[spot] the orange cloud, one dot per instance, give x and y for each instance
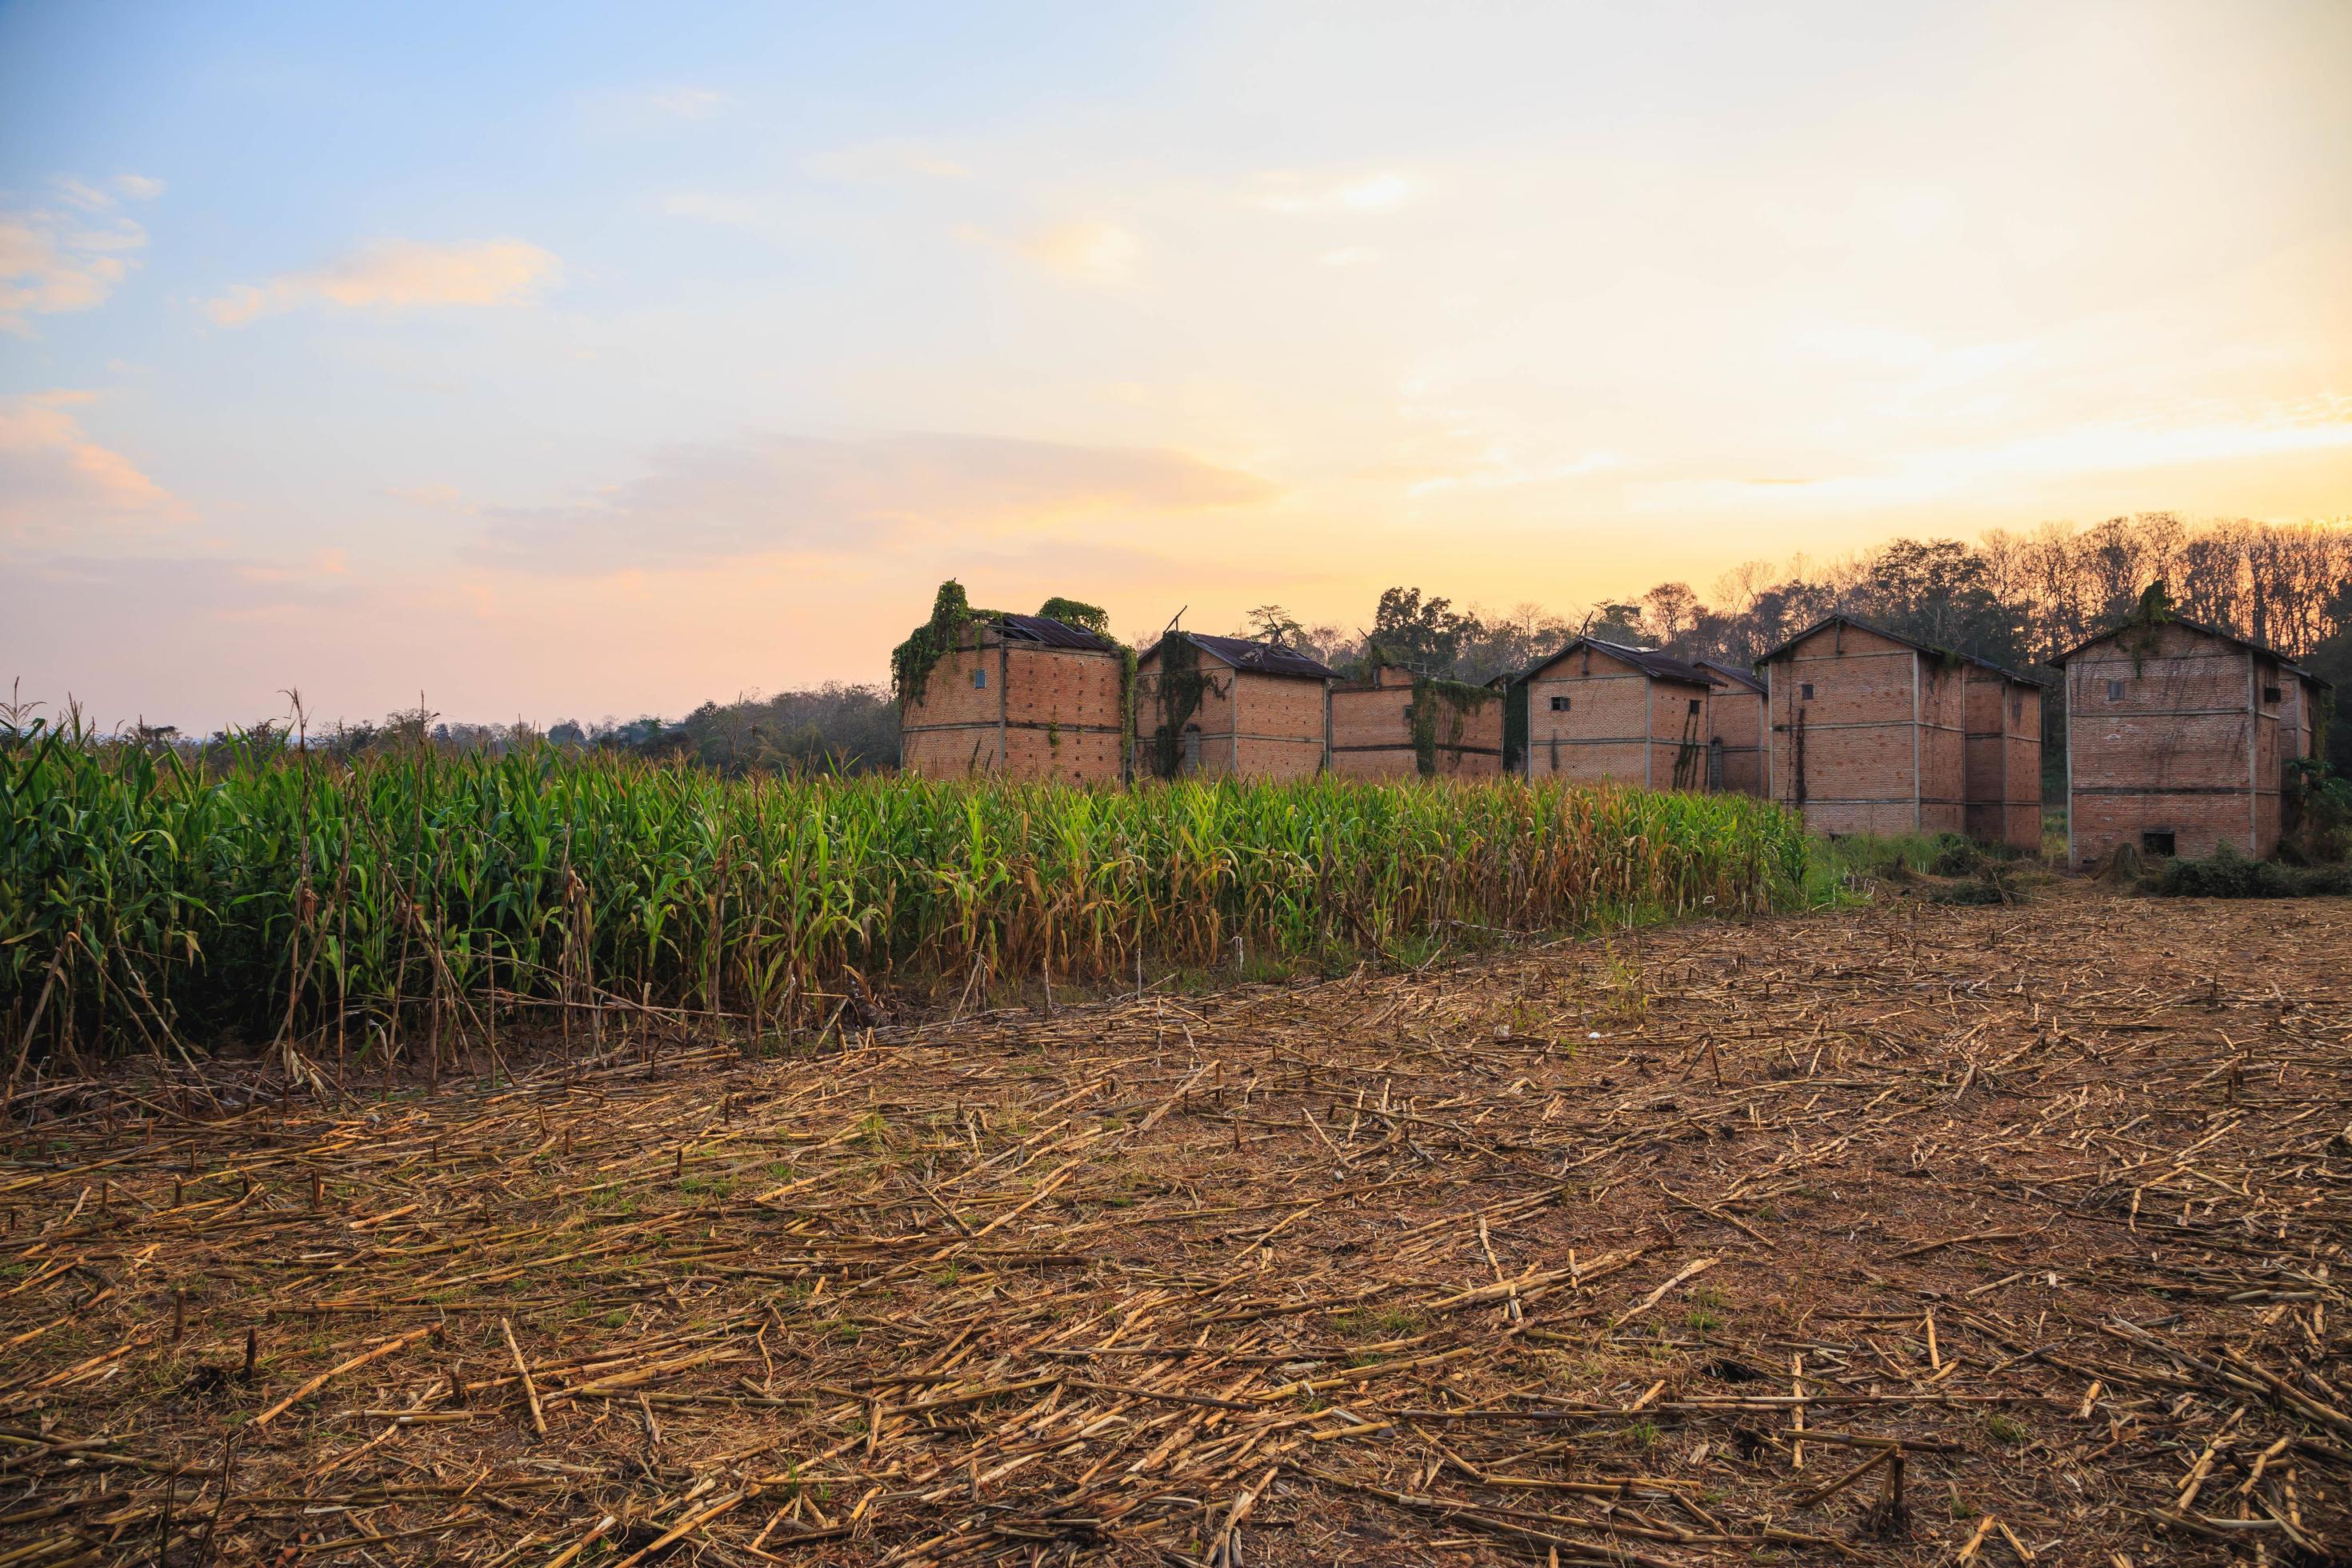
(772, 495)
(56, 480)
(399, 274)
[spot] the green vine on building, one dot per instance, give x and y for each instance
(1429, 693)
(2143, 629)
(1181, 686)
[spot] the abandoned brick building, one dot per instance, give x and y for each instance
(1868, 732)
(1734, 716)
(2001, 715)
(1227, 707)
(1019, 697)
(1400, 725)
(1603, 711)
(2179, 737)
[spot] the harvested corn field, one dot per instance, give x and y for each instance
(1897, 1235)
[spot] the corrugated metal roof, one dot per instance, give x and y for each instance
(1264, 657)
(2231, 637)
(1653, 662)
(1052, 633)
(1875, 630)
(1732, 675)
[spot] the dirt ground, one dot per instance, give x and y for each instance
(1906, 1234)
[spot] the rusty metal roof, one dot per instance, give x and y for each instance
(1732, 675)
(1657, 663)
(2230, 637)
(1262, 657)
(1051, 633)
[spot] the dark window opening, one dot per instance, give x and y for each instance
(2115, 691)
(980, 678)
(1559, 704)
(1805, 691)
(2157, 842)
(2270, 694)
(1693, 704)
(2016, 708)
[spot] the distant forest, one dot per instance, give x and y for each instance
(2015, 598)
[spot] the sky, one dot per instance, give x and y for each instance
(565, 362)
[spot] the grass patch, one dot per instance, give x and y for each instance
(2230, 875)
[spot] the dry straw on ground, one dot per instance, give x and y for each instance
(1905, 1235)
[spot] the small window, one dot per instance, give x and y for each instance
(2157, 841)
(2270, 694)
(979, 677)
(1693, 704)
(1559, 704)
(1805, 691)
(2115, 691)
(2016, 710)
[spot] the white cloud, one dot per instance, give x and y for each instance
(1090, 251)
(773, 494)
(1296, 196)
(52, 262)
(138, 187)
(882, 161)
(1963, 473)
(396, 274)
(1351, 256)
(709, 207)
(57, 482)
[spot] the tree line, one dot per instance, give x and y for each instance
(2013, 597)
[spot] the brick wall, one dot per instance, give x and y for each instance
(1280, 722)
(1608, 732)
(2162, 742)
(1371, 733)
(2003, 772)
(1736, 716)
(1041, 714)
(1850, 753)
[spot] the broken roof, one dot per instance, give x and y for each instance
(1262, 657)
(1878, 631)
(1051, 633)
(1653, 662)
(2230, 637)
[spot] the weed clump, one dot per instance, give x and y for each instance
(2232, 875)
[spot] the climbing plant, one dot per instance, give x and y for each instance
(952, 616)
(2142, 631)
(1077, 612)
(1181, 685)
(1431, 694)
(913, 661)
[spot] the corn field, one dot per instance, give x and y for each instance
(410, 901)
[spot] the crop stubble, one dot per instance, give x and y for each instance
(1894, 1234)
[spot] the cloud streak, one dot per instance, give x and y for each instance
(767, 495)
(53, 262)
(57, 481)
(399, 274)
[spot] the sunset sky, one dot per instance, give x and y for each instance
(596, 360)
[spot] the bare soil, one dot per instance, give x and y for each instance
(1906, 1234)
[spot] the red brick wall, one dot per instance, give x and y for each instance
(1605, 736)
(1053, 711)
(2170, 751)
(1736, 716)
(1860, 742)
(1280, 717)
(2004, 759)
(1371, 733)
